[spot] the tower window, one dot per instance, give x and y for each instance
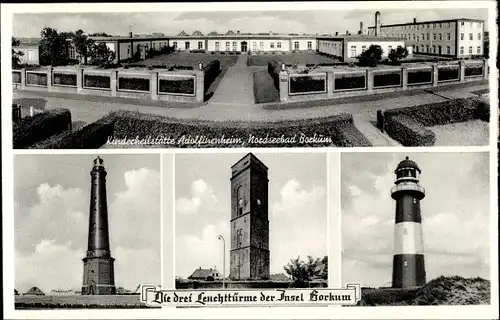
(405, 263)
(405, 231)
(239, 196)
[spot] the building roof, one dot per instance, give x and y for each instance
(202, 273)
(359, 37)
(197, 33)
(35, 290)
(28, 43)
(427, 22)
(211, 35)
(252, 157)
(407, 163)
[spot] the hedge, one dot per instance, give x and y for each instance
(304, 84)
(39, 79)
(408, 131)
(387, 80)
(91, 136)
(65, 79)
(347, 83)
(211, 71)
(483, 111)
(95, 81)
(473, 71)
(41, 126)
(420, 76)
(433, 114)
(176, 85)
(135, 84)
(445, 74)
(274, 68)
(16, 77)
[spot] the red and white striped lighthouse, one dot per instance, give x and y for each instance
(408, 264)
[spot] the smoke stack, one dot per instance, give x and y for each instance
(378, 21)
(238, 32)
(361, 27)
(337, 33)
(130, 34)
(414, 20)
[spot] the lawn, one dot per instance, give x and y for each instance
(78, 301)
(264, 90)
(189, 59)
(290, 58)
(469, 133)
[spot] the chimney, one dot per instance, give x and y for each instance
(361, 27)
(130, 34)
(414, 20)
(378, 22)
(271, 33)
(337, 33)
(238, 32)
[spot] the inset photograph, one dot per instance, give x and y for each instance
(415, 227)
(87, 230)
(251, 221)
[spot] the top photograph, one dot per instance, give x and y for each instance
(415, 77)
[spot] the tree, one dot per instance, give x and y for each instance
(101, 54)
(302, 272)
(398, 54)
(371, 57)
(53, 47)
(100, 34)
(83, 44)
(16, 55)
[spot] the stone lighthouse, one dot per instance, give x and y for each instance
(98, 270)
(408, 263)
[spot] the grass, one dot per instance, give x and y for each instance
(263, 88)
(190, 59)
(470, 133)
(79, 302)
(290, 58)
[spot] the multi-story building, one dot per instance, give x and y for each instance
(457, 38)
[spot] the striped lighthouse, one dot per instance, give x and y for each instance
(408, 264)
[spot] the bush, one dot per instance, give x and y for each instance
(347, 83)
(38, 79)
(16, 77)
(387, 80)
(420, 76)
(483, 111)
(176, 85)
(446, 74)
(135, 84)
(65, 79)
(176, 67)
(95, 81)
(211, 71)
(304, 84)
(198, 51)
(371, 57)
(274, 68)
(41, 126)
(91, 136)
(408, 131)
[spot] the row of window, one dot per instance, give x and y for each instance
(471, 36)
(435, 36)
(272, 45)
(187, 45)
(434, 49)
(435, 25)
(363, 49)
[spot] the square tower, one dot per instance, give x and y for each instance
(249, 254)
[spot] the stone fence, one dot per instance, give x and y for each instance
(180, 85)
(331, 82)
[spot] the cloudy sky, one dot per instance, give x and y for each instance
(171, 22)
(51, 215)
(297, 208)
(455, 215)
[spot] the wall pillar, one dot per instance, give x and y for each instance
(330, 82)
(23, 78)
(461, 70)
(404, 74)
(50, 70)
(153, 85)
(485, 69)
(283, 86)
(369, 80)
(200, 86)
(114, 82)
(79, 79)
(434, 75)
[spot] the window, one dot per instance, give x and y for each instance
(479, 50)
(187, 45)
(200, 45)
(423, 36)
(239, 197)
(479, 36)
(309, 45)
(271, 45)
(278, 45)
(239, 238)
(154, 45)
(418, 27)
(405, 263)
(363, 48)
(72, 53)
(174, 44)
(427, 49)
(216, 45)
(405, 230)
(471, 37)
(296, 45)
(462, 23)
(353, 51)
(423, 48)
(434, 36)
(235, 46)
(470, 50)
(448, 50)
(448, 36)
(440, 25)
(228, 46)
(261, 46)
(254, 45)
(471, 24)
(440, 36)
(433, 49)
(413, 37)
(449, 24)
(461, 50)
(461, 36)
(418, 38)
(434, 26)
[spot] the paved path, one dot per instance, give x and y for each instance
(236, 88)
(373, 134)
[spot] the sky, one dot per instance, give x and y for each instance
(28, 25)
(51, 212)
(455, 215)
(297, 208)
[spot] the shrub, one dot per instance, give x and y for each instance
(397, 54)
(408, 131)
(304, 84)
(198, 51)
(135, 84)
(38, 79)
(447, 74)
(211, 71)
(371, 57)
(65, 79)
(16, 77)
(483, 111)
(41, 126)
(95, 81)
(350, 82)
(176, 85)
(387, 80)
(420, 76)
(274, 68)
(91, 136)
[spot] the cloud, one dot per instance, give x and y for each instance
(202, 196)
